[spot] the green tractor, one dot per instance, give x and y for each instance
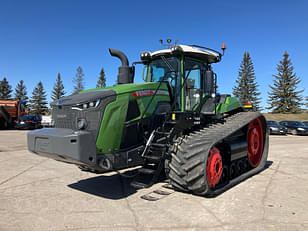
(174, 124)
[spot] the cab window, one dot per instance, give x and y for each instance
(192, 88)
(163, 70)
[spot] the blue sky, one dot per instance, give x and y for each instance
(38, 39)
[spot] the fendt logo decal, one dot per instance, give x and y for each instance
(61, 101)
(148, 92)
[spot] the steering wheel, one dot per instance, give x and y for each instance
(169, 77)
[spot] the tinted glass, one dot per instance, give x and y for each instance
(295, 123)
(270, 122)
(193, 70)
(31, 117)
(163, 70)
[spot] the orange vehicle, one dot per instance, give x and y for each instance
(10, 112)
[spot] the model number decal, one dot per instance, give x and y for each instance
(148, 92)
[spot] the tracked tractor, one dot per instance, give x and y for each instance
(174, 124)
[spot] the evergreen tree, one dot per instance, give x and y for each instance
(101, 80)
(283, 97)
(78, 81)
(21, 91)
(247, 88)
(5, 89)
(306, 102)
(58, 89)
(38, 100)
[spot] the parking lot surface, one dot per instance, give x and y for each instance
(37, 193)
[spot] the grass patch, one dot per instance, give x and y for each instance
(280, 117)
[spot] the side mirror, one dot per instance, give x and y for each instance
(209, 83)
(144, 73)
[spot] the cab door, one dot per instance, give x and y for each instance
(193, 83)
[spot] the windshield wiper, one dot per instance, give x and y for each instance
(167, 63)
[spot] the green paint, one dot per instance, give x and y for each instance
(230, 104)
(131, 87)
(110, 133)
(111, 128)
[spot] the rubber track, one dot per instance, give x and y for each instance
(189, 153)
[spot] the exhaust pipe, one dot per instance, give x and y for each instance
(126, 73)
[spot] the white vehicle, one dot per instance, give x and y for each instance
(47, 121)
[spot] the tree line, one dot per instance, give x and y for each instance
(37, 104)
(284, 96)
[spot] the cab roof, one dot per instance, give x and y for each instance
(197, 52)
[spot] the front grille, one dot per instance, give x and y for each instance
(66, 117)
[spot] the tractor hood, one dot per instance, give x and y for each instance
(102, 93)
(132, 88)
(83, 97)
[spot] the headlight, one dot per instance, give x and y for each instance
(274, 128)
(81, 124)
(301, 129)
(83, 106)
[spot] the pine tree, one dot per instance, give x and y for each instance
(306, 102)
(38, 100)
(5, 89)
(78, 81)
(247, 88)
(283, 97)
(58, 89)
(101, 80)
(21, 92)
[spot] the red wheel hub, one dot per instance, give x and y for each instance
(255, 142)
(213, 167)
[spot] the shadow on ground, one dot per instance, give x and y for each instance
(118, 187)
(113, 186)
(267, 164)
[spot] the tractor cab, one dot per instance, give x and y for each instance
(186, 70)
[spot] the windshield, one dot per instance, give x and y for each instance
(270, 122)
(163, 69)
(296, 123)
(31, 117)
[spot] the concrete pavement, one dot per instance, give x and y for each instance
(42, 194)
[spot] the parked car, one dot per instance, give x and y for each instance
(295, 127)
(306, 123)
(276, 128)
(29, 122)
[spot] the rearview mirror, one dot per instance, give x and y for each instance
(209, 83)
(144, 72)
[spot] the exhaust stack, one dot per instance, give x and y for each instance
(126, 73)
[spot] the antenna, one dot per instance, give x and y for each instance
(168, 44)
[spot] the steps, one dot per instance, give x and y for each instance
(154, 155)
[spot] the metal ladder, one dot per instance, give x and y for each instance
(154, 154)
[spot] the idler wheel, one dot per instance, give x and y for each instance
(214, 167)
(255, 142)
